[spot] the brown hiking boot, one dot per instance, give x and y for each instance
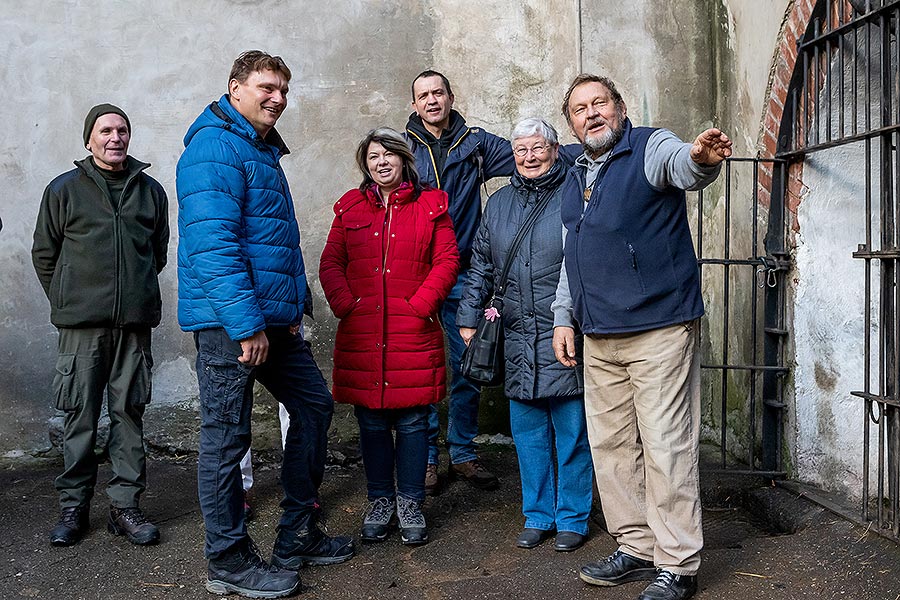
(132, 523)
(431, 480)
(475, 474)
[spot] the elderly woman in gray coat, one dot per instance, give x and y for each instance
(546, 403)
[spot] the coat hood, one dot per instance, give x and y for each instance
(222, 115)
(549, 180)
(456, 127)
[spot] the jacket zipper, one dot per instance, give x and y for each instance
(584, 208)
(437, 176)
(117, 234)
(386, 229)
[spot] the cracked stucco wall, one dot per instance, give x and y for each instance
(683, 65)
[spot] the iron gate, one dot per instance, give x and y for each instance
(757, 378)
(845, 89)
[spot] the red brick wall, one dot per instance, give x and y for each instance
(795, 24)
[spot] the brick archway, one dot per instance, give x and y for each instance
(796, 21)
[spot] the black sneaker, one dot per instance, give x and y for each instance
(377, 520)
(132, 523)
(309, 545)
(616, 569)
(242, 571)
(669, 586)
(71, 527)
(413, 531)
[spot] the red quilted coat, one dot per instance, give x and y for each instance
(385, 273)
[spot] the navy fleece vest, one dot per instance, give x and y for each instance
(629, 256)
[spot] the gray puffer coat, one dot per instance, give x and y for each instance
(532, 370)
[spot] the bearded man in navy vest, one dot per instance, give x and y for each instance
(630, 277)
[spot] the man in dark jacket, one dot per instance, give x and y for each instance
(457, 159)
(99, 244)
(242, 291)
(630, 275)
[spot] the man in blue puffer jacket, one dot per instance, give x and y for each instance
(242, 291)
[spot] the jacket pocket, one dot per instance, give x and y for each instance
(61, 288)
(636, 269)
(222, 388)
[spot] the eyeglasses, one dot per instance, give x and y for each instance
(537, 150)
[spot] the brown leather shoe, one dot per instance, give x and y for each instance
(431, 480)
(475, 474)
(132, 523)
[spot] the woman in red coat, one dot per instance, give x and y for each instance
(389, 263)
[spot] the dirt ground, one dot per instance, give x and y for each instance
(471, 555)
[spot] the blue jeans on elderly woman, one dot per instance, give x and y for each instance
(555, 497)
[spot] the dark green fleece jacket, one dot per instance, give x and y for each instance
(96, 258)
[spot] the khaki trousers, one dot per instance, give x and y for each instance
(642, 402)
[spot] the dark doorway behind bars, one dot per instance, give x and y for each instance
(845, 89)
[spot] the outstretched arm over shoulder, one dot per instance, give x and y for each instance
(670, 162)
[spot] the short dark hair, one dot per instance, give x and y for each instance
(393, 141)
(429, 73)
(588, 78)
(257, 60)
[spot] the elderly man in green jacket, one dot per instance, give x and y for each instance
(99, 245)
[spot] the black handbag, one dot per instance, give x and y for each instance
(482, 360)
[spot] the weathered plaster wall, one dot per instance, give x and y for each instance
(163, 62)
(684, 65)
(829, 325)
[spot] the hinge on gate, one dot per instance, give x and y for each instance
(768, 266)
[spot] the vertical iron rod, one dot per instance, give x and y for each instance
(726, 311)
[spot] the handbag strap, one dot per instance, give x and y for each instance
(529, 222)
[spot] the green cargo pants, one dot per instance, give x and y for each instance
(89, 361)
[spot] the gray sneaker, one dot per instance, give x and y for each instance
(377, 519)
(413, 531)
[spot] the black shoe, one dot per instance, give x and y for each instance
(669, 586)
(242, 571)
(616, 569)
(532, 538)
(566, 541)
(132, 523)
(71, 527)
(309, 545)
(477, 476)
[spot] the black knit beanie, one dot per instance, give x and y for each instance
(97, 112)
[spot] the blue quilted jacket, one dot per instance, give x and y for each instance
(239, 260)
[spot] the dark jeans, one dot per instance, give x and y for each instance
(92, 360)
(226, 399)
(462, 405)
(380, 453)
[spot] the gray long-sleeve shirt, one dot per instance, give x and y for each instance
(667, 162)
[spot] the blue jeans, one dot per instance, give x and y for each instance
(380, 453)
(226, 399)
(462, 423)
(561, 500)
